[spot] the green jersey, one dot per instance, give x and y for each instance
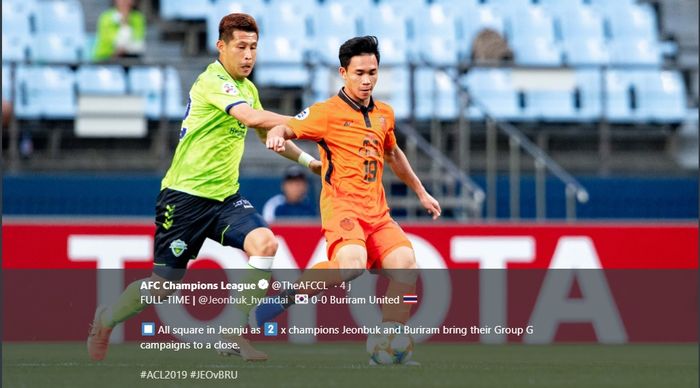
(211, 141)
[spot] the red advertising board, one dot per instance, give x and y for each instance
(612, 283)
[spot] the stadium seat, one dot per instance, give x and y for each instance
(537, 51)
(588, 85)
(61, 17)
(635, 51)
(628, 19)
(282, 48)
(56, 48)
(44, 92)
(393, 88)
(15, 47)
(619, 90)
(532, 37)
(472, 20)
(493, 88)
(361, 5)
(148, 81)
(333, 24)
(387, 23)
(185, 10)
(582, 34)
(60, 32)
(17, 17)
(435, 41)
(222, 8)
(582, 51)
(436, 95)
(660, 95)
(550, 105)
(107, 79)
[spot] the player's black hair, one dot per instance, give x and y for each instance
(358, 46)
(236, 21)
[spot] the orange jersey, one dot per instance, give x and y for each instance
(352, 140)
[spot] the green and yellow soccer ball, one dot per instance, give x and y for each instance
(392, 348)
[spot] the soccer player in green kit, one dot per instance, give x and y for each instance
(199, 195)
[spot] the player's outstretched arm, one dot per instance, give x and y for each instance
(399, 164)
(254, 118)
(293, 153)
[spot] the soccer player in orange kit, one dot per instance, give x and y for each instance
(356, 137)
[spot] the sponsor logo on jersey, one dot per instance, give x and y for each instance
(347, 224)
(230, 88)
(302, 115)
(178, 247)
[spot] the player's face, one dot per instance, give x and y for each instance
(360, 77)
(238, 55)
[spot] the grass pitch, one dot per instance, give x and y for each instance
(345, 365)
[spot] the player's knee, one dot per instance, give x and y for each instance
(264, 244)
(268, 246)
(402, 258)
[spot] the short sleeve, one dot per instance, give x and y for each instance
(223, 94)
(311, 123)
(390, 136)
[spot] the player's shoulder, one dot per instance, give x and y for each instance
(383, 107)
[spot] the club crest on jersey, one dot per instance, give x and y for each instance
(302, 115)
(347, 224)
(178, 247)
(230, 88)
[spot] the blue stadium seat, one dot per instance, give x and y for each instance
(582, 51)
(361, 5)
(390, 26)
(282, 47)
(60, 32)
(588, 84)
(17, 17)
(15, 47)
(550, 105)
(537, 51)
(104, 79)
(660, 95)
(532, 36)
(472, 20)
(44, 92)
(333, 24)
(582, 34)
(435, 36)
(628, 19)
(221, 8)
(392, 88)
(148, 81)
(619, 91)
(27, 104)
(493, 88)
(635, 51)
(56, 48)
(436, 95)
(61, 17)
(185, 10)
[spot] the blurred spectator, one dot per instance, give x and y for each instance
(490, 47)
(294, 201)
(121, 32)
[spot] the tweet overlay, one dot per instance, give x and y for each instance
(349, 328)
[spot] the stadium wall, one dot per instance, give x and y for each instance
(134, 195)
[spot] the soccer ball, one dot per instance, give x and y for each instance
(389, 349)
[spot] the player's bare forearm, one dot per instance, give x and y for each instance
(402, 168)
(277, 140)
(253, 118)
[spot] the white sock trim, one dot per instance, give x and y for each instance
(261, 262)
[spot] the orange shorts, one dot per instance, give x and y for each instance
(378, 237)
